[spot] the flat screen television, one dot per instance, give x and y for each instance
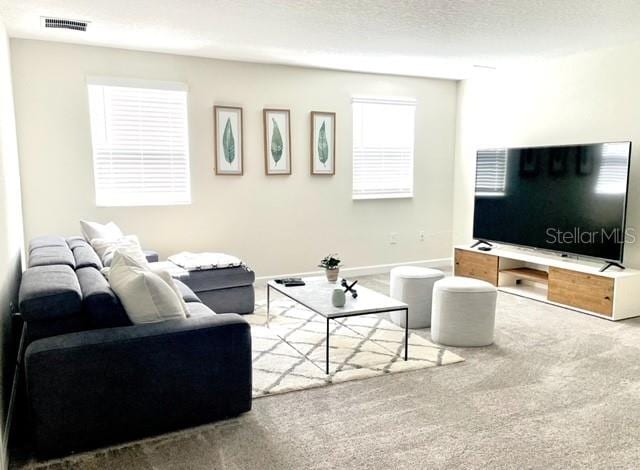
(570, 199)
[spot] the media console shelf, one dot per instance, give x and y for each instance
(577, 285)
(528, 274)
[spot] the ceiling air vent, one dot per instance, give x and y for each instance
(61, 23)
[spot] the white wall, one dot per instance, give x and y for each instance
(278, 224)
(10, 232)
(590, 97)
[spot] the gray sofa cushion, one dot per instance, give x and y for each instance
(49, 292)
(85, 256)
(213, 279)
(46, 240)
(187, 294)
(151, 255)
(51, 255)
(75, 242)
(100, 304)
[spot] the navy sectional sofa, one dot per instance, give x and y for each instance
(93, 379)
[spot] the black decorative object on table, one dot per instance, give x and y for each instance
(349, 288)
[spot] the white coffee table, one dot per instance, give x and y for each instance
(316, 296)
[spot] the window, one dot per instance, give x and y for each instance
(383, 138)
(491, 170)
(140, 143)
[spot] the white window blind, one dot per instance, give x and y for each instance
(491, 171)
(140, 143)
(612, 178)
(383, 143)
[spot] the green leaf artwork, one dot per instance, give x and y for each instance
(228, 143)
(276, 143)
(323, 146)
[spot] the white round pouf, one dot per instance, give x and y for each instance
(464, 312)
(414, 286)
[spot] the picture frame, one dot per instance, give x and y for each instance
(323, 143)
(228, 140)
(277, 141)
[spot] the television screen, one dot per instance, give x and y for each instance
(570, 199)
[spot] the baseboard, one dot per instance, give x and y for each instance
(363, 270)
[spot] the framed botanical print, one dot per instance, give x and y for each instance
(277, 142)
(227, 127)
(323, 143)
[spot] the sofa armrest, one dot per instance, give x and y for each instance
(104, 386)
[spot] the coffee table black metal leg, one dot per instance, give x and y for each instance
(268, 295)
(327, 346)
(406, 333)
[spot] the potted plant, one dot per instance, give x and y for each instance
(331, 265)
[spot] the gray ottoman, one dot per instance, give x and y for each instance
(413, 285)
(223, 290)
(463, 312)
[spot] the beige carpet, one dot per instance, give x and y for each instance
(289, 354)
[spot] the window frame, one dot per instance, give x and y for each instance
(381, 100)
(157, 85)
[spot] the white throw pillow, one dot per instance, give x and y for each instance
(121, 258)
(166, 277)
(128, 245)
(91, 230)
(145, 296)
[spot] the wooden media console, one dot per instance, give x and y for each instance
(577, 285)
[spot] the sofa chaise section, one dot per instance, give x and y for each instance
(110, 385)
(223, 290)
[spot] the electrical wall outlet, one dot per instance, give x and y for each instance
(393, 238)
(421, 235)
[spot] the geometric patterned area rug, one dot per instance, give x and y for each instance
(290, 354)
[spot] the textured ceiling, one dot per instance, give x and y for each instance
(441, 38)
